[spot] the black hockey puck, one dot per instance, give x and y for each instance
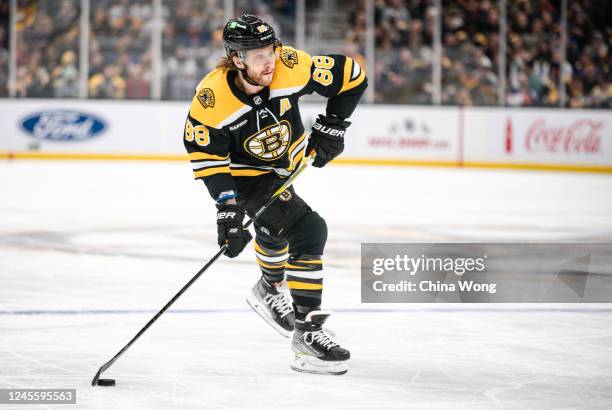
(106, 382)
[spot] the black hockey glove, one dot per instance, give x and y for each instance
(327, 139)
(230, 230)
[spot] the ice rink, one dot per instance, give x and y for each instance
(89, 251)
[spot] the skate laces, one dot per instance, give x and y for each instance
(279, 303)
(321, 337)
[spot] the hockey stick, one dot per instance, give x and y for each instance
(307, 161)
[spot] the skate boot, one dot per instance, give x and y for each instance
(273, 306)
(314, 348)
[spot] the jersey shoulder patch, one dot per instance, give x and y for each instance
(206, 96)
(292, 72)
(214, 104)
(289, 56)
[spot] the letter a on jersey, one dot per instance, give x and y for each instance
(285, 105)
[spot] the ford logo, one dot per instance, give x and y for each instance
(63, 125)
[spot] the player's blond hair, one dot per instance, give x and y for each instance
(225, 63)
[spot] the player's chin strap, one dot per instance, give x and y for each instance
(244, 71)
(246, 77)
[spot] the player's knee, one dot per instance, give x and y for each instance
(269, 243)
(308, 235)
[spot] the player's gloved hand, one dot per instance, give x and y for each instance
(327, 139)
(230, 230)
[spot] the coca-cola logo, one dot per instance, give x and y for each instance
(63, 125)
(581, 136)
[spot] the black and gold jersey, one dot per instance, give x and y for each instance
(229, 134)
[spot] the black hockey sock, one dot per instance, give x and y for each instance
(305, 282)
(301, 312)
(272, 261)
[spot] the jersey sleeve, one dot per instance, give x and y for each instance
(208, 149)
(339, 78)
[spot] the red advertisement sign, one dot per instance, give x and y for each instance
(581, 136)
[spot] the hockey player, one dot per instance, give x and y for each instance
(244, 136)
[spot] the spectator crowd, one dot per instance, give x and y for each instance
(4, 48)
(588, 76)
(192, 43)
(47, 49)
(470, 51)
(120, 48)
(193, 38)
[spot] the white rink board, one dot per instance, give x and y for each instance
(403, 132)
(417, 134)
(138, 127)
(157, 127)
(541, 136)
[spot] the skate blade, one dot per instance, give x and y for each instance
(260, 310)
(309, 364)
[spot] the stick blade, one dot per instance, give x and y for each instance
(94, 381)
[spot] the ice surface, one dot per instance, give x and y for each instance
(90, 251)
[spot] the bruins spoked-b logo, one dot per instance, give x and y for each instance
(206, 97)
(285, 196)
(289, 57)
(270, 143)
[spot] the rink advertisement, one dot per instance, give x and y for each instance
(62, 125)
(486, 272)
(544, 137)
(415, 134)
(93, 129)
(574, 140)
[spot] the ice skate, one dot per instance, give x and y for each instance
(273, 306)
(315, 349)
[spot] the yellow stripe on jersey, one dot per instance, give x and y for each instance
(211, 171)
(297, 75)
(303, 286)
(220, 102)
(294, 161)
(194, 156)
(298, 158)
(295, 267)
(248, 172)
(296, 143)
(279, 252)
(347, 83)
(314, 261)
(258, 249)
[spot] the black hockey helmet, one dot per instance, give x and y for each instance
(247, 32)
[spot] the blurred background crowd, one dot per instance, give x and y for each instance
(121, 33)
(470, 37)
